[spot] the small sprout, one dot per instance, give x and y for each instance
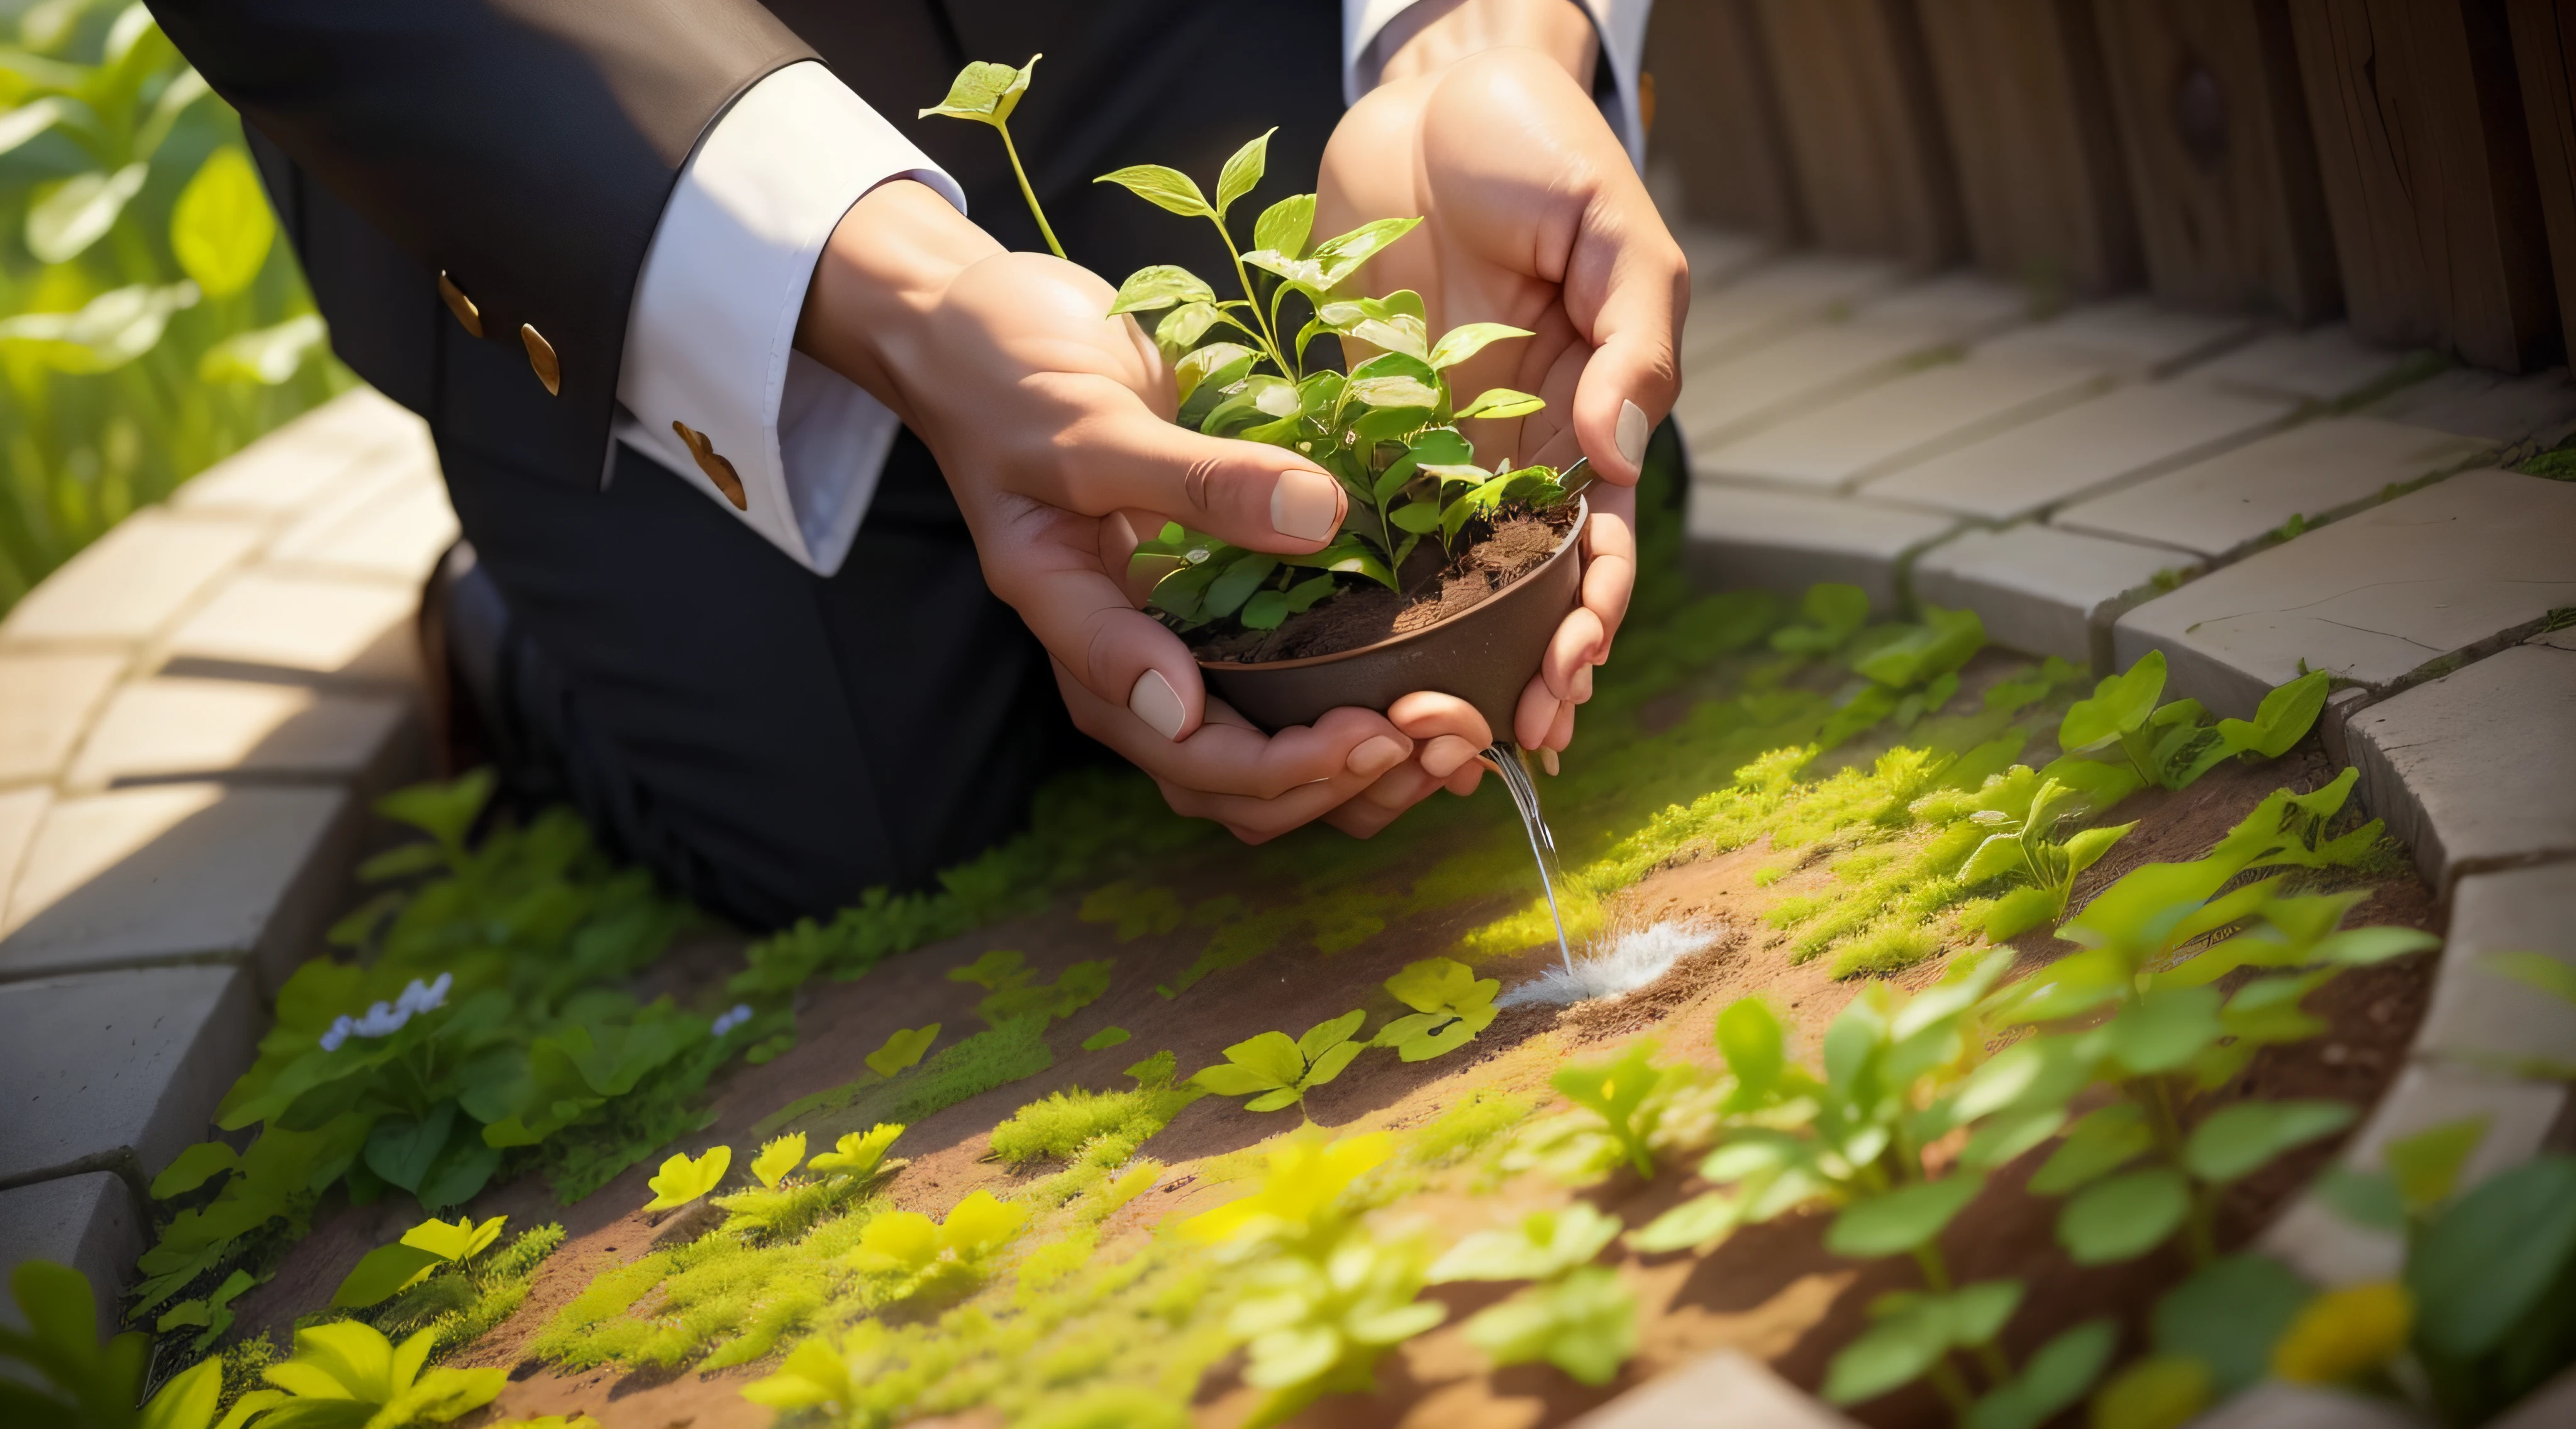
(1450, 1005)
(902, 1048)
(1104, 1039)
(1300, 1196)
(347, 1372)
(683, 1180)
(2344, 1334)
(910, 1250)
(389, 1270)
(858, 1153)
(1315, 1325)
(1135, 1181)
(1544, 1245)
(1282, 1071)
(998, 968)
(1584, 1324)
(1617, 1091)
(778, 1158)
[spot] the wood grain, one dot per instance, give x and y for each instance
(1864, 128)
(2042, 185)
(2427, 166)
(2544, 51)
(2230, 209)
(1717, 121)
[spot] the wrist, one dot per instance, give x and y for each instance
(1432, 35)
(879, 284)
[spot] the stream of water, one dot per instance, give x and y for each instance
(1513, 766)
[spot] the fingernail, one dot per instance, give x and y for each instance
(1376, 755)
(1306, 506)
(1156, 703)
(1547, 757)
(1632, 432)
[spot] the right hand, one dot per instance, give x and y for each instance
(1053, 425)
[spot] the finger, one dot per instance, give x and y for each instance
(1566, 668)
(1382, 802)
(1259, 497)
(1427, 714)
(1610, 561)
(1464, 781)
(1445, 754)
(1225, 756)
(1627, 287)
(1045, 564)
(1535, 715)
(1561, 733)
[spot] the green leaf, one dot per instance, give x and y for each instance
(2124, 1217)
(683, 1179)
(1888, 1355)
(857, 1153)
(985, 93)
(2101, 1142)
(1267, 610)
(1303, 595)
(2055, 1376)
(1393, 390)
(1544, 1244)
(1223, 363)
(382, 1273)
(1325, 1036)
(2228, 1316)
(1420, 517)
(2165, 1028)
(2538, 971)
(2283, 718)
(1754, 1044)
(1160, 286)
(2022, 909)
(1466, 340)
(1901, 1220)
(1242, 172)
(400, 1149)
(109, 331)
(2158, 1392)
(193, 1168)
(2007, 1136)
(2368, 1199)
(1695, 1224)
(221, 228)
(267, 356)
(79, 211)
(2120, 704)
(779, 1157)
(1501, 402)
(902, 1048)
(1230, 590)
(1284, 226)
(2239, 1140)
(1268, 1060)
(2425, 1167)
(1585, 1325)
(1168, 189)
(2479, 1268)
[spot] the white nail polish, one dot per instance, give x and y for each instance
(1633, 432)
(1305, 506)
(1154, 701)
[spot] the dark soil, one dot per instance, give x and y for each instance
(1362, 615)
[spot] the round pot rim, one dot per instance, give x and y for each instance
(1573, 533)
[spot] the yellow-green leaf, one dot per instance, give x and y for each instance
(778, 1158)
(222, 228)
(683, 1180)
(902, 1048)
(986, 93)
(859, 1152)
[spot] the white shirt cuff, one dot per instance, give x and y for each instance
(711, 342)
(1621, 24)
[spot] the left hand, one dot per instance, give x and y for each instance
(1533, 216)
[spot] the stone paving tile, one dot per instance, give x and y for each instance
(2491, 405)
(1777, 298)
(306, 461)
(87, 1222)
(131, 582)
(2233, 502)
(1908, 420)
(2556, 639)
(1787, 541)
(45, 703)
(2322, 364)
(2043, 591)
(166, 728)
(1725, 1389)
(2552, 1406)
(316, 625)
(1727, 399)
(2475, 770)
(2121, 436)
(179, 871)
(1955, 307)
(396, 538)
(117, 1071)
(21, 811)
(2135, 338)
(2479, 1016)
(2274, 1405)
(2374, 598)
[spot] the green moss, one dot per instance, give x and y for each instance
(969, 1067)
(461, 1302)
(1068, 1122)
(1468, 1126)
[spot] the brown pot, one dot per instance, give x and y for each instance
(1484, 655)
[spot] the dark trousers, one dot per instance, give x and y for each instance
(769, 742)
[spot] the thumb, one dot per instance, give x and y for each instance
(1259, 497)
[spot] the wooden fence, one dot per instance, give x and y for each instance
(2409, 163)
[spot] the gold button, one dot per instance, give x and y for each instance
(468, 316)
(541, 357)
(718, 470)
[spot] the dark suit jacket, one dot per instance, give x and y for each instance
(526, 149)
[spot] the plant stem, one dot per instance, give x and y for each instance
(1936, 1269)
(1944, 1377)
(1269, 335)
(1029, 193)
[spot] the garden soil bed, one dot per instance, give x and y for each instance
(1362, 615)
(1771, 1291)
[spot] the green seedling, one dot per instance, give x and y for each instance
(64, 1376)
(1386, 431)
(348, 1376)
(909, 1254)
(1276, 1072)
(683, 1178)
(1450, 1006)
(1543, 1246)
(903, 1047)
(1016, 992)
(986, 94)
(778, 1158)
(1105, 1038)
(858, 1153)
(388, 1270)
(1577, 1317)
(2170, 745)
(2026, 849)
(1621, 1101)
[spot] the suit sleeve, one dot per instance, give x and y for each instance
(506, 161)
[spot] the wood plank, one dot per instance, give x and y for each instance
(2544, 50)
(2428, 175)
(1717, 121)
(2230, 209)
(2042, 185)
(1864, 128)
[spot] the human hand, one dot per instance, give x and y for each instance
(1053, 425)
(1533, 216)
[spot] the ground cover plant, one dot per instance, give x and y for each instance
(150, 320)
